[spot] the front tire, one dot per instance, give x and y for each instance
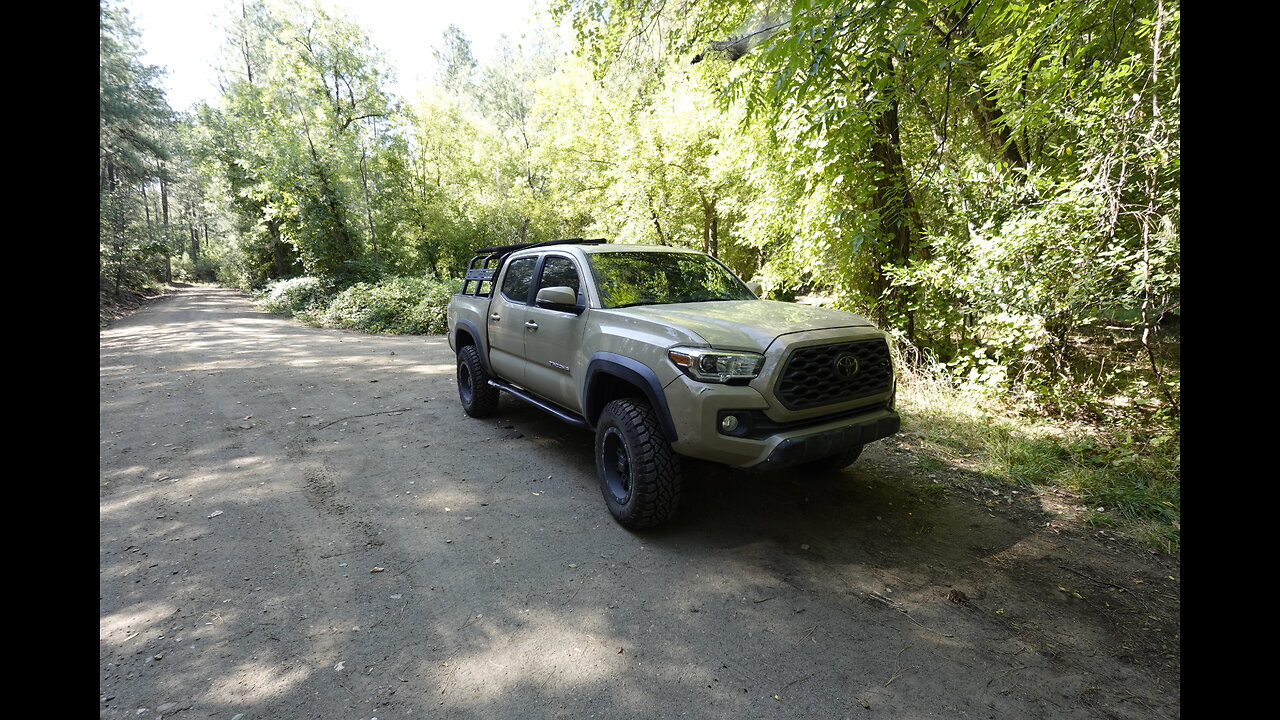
(640, 475)
(479, 398)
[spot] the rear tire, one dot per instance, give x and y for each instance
(479, 398)
(640, 475)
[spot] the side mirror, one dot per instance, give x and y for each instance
(560, 297)
(755, 288)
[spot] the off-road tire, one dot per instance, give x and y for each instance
(479, 398)
(834, 463)
(640, 475)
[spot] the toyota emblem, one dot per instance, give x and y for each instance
(846, 365)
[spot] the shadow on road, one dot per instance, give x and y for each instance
(298, 522)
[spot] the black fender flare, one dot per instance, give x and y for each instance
(474, 332)
(632, 372)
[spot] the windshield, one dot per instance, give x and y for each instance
(656, 278)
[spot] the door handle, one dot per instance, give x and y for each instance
(531, 325)
(495, 316)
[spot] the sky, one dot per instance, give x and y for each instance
(185, 36)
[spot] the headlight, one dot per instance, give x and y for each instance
(707, 365)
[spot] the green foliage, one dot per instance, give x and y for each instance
(353, 272)
(298, 143)
(129, 253)
(293, 296)
(988, 179)
(1010, 302)
(133, 112)
(399, 305)
(395, 305)
(133, 122)
(203, 270)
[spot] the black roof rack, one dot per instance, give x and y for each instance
(488, 261)
(504, 249)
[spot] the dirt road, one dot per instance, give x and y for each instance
(302, 523)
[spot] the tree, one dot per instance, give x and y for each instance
(987, 177)
(457, 67)
(132, 122)
(303, 117)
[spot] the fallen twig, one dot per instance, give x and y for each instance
(1100, 582)
(793, 682)
(897, 673)
(895, 606)
(352, 417)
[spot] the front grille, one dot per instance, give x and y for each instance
(810, 379)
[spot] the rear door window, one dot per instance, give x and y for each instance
(518, 280)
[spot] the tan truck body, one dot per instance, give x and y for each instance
(823, 388)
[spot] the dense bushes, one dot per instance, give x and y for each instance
(293, 296)
(202, 270)
(398, 305)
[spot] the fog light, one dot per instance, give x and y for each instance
(729, 423)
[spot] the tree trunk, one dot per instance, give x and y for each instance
(990, 120)
(279, 265)
(244, 42)
(981, 101)
(368, 207)
(164, 227)
(898, 219)
(1151, 188)
(662, 239)
(710, 225)
(341, 245)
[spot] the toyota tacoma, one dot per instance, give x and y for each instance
(664, 354)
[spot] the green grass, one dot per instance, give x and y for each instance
(1133, 474)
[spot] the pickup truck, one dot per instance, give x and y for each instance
(665, 354)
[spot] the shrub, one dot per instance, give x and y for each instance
(203, 270)
(399, 305)
(351, 272)
(293, 296)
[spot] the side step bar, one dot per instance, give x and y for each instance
(543, 405)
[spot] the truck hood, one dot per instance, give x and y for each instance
(746, 324)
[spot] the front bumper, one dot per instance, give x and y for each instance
(805, 446)
(696, 411)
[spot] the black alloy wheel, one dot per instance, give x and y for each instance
(640, 475)
(479, 398)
